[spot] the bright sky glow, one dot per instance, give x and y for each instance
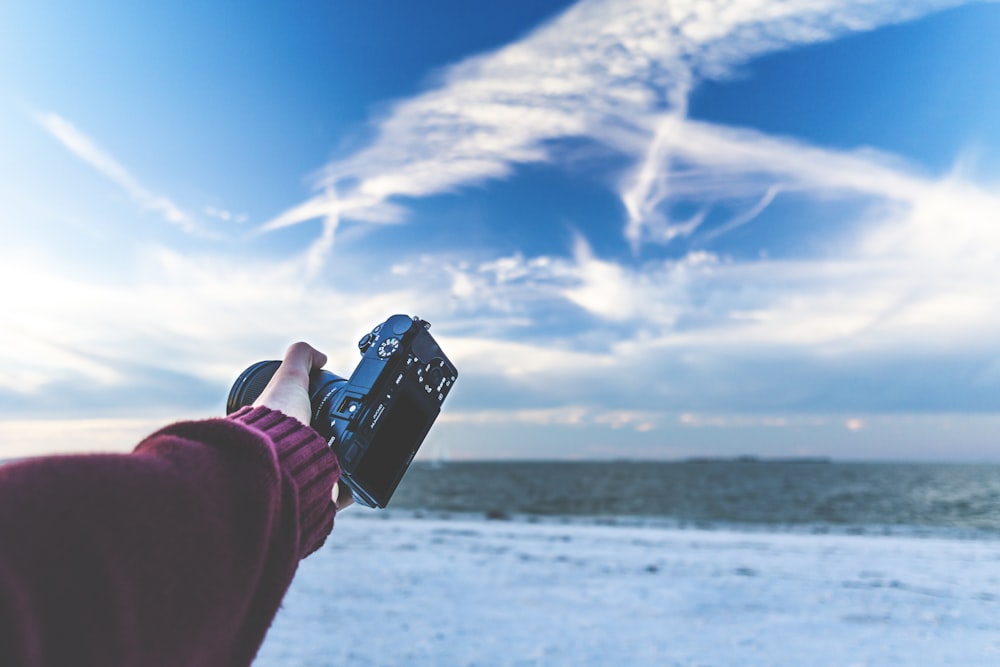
(640, 229)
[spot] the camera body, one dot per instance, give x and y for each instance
(376, 420)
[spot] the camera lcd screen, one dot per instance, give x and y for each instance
(395, 441)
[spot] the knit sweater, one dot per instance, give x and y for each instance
(176, 554)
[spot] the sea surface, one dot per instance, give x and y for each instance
(944, 500)
(950, 500)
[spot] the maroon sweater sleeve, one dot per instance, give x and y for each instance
(176, 554)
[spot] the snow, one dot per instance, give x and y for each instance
(419, 591)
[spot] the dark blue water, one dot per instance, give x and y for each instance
(931, 499)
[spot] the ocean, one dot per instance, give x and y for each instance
(946, 500)
(816, 496)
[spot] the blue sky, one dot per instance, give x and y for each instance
(640, 229)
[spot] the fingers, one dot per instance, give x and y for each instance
(302, 358)
(341, 502)
(288, 390)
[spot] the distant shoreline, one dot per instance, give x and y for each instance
(741, 459)
(757, 459)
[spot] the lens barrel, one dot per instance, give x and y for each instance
(324, 390)
(250, 385)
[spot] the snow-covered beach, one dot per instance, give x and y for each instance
(428, 591)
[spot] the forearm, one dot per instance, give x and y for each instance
(178, 553)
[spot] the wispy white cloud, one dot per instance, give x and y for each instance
(919, 271)
(87, 150)
(199, 315)
(944, 217)
(225, 215)
(743, 421)
(616, 72)
(564, 415)
(854, 424)
(746, 216)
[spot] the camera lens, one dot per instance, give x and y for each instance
(324, 393)
(250, 384)
(324, 388)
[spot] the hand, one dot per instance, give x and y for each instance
(288, 392)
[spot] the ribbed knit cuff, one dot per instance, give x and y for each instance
(304, 455)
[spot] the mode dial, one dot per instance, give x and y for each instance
(387, 347)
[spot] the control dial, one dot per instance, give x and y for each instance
(387, 347)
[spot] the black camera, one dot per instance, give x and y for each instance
(376, 421)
